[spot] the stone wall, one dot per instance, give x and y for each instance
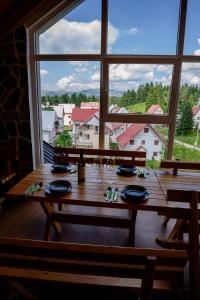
(14, 102)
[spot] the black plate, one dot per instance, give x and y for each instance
(61, 167)
(127, 170)
(58, 187)
(135, 193)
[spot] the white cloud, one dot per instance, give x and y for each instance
(72, 84)
(43, 72)
(191, 73)
(133, 31)
(75, 37)
(95, 76)
(197, 52)
(64, 82)
(81, 69)
(134, 72)
(164, 68)
(189, 67)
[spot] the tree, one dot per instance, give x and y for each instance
(186, 120)
(64, 139)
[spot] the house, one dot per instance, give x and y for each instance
(86, 105)
(49, 126)
(67, 113)
(114, 108)
(155, 109)
(116, 129)
(142, 137)
(196, 116)
(85, 130)
(88, 133)
(59, 109)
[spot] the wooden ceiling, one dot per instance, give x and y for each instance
(12, 11)
(6, 6)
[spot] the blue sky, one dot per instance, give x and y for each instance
(135, 27)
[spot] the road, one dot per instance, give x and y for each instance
(187, 145)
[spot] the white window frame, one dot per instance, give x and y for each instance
(35, 27)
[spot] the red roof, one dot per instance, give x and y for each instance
(82, 114)
(152, 110)
(195, 110)
(130, 133)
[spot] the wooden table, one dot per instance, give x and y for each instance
(90, 193)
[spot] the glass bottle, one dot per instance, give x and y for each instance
(81, 168)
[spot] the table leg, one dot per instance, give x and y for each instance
(177, 232)
(133, 215)
(48, 209)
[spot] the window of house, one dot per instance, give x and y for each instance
(96, 128)
(132, 142)
(155, 153)
(87, 136)
(118, 59)
(143, 142)
(156, 142)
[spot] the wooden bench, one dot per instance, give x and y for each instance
(175, 241)
(100, 156)
(177, 165)
(146, 272)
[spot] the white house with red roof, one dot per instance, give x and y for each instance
(86, 105)
(155, 109)
(142, 137)
(86, 128)
(196, 116)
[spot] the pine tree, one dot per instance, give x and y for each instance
(186, 120)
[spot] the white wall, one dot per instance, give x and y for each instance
(149, 138)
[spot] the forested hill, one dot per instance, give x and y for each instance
(148, 93)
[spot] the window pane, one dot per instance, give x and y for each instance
(142, 27)
(139, 88)
(77, 32)
(70, 103)
(187, 140)
(152, 139)
(192, 33)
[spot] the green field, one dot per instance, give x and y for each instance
(137, 108)
(183, 153)
(190, 137)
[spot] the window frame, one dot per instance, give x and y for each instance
(35, 28)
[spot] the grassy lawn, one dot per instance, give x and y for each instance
(189, 137)
(182, 153)
(138, 107)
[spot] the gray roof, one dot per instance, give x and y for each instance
(48, 119)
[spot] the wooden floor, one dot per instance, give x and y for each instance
(27, 219)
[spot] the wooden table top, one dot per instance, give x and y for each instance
(91, 192)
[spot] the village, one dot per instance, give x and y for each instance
(83, 124)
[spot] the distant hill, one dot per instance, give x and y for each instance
(89, 92)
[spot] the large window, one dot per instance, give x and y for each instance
(118, 75)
